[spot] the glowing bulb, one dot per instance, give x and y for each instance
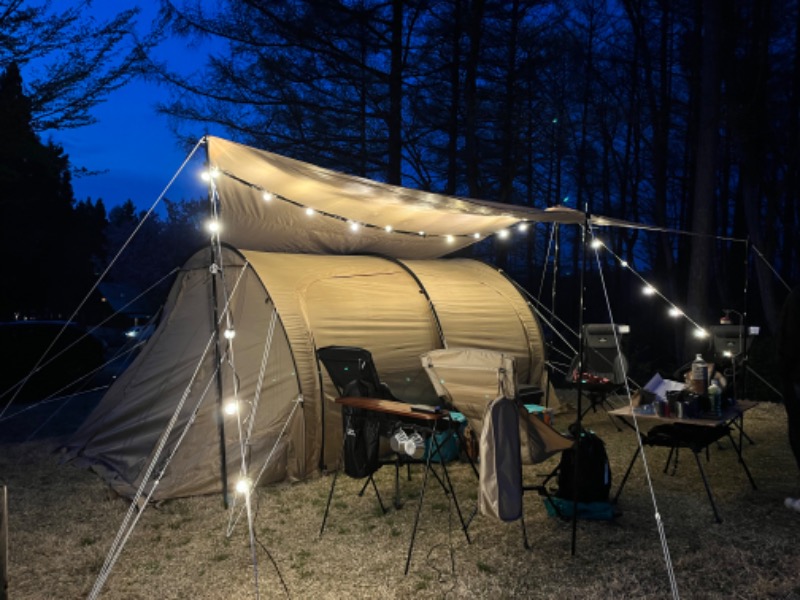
(213, 226)
(596, 243)
(231, 408)
(205, 176)
(727, 354)
(675, 312)
(268, 196)
(354, 226)
(502, 234)
(243, 485)
(623, 264)
(229, 334)
(422, 233)
(522, 227)
(476, 235)
(388, 229)
(310, 211)
(449, 239)
(700, 333)
(648, 290)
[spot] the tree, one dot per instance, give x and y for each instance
(37, 225)
(71, 63)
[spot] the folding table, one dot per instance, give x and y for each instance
(426, 422)
(695, 434)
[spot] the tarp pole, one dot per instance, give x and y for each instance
(579, 401)
(216, 269)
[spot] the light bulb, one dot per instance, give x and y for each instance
(421, 233)
(522, 227)
(213, 226)
(700, 333)
(623, 264)
(596, 243)
(675, 312)
(502, 234)
(388, 229)
(231, 408)
(476, 235)
(354, 226)
(648, 290)
(268, 196)
(449, 239)
(310, 211)
(243, 485)
(229, 334)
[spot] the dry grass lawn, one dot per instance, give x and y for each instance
(63, 520)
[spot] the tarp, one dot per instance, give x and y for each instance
(316, 210)
(283, 307)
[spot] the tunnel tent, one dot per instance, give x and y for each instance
(282, 308)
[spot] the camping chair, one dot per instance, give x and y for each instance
(353, 373)
(473, 380)
(604, 366)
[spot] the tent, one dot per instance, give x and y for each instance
(282, 307)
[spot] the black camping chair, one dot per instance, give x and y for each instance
(604, 368)
(353, 372)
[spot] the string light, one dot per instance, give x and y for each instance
(596, 243)
(268, 196)
(388, 229)
(354, 227)
(449, 239)
(421, 233)
(213, 226)
(675, 312)
(229, 334)
(231, 408)
(502, 234)
(476, 235)
(523, 227)
(700, 333)
(648, 290)
(309, 211)
(209, 174)
(243, 485)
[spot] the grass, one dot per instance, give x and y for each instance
(62, 522)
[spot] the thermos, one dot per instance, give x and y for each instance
(699, 377)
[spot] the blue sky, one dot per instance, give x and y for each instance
(130, 144)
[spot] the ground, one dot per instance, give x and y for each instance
(62, 522)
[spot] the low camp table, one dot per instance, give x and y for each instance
(428, 424)
(695, 434)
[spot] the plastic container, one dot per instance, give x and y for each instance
(698, 381)
(715, 398)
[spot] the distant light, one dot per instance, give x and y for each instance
(268, 196)
(522, 227)
(648, 290)
(388, 229)
(700, 333)
(213, 226)
(502, 234)
(727, 354)
(555, 119)
(596, 243)
(675, 312)
(310, 211)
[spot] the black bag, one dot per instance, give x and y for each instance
(593, 480)
(361, 431)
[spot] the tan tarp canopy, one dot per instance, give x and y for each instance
(351, 214)
(282, 308)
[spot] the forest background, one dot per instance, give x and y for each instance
(684, 115)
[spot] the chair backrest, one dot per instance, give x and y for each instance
(352, 371)
(602, 355)
(471, 378)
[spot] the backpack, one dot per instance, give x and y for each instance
(593, 480)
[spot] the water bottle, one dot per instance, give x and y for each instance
(699, 377)
(715, 398)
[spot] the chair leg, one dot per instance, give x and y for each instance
(328, 504)
(525, 543)
(708, 487)
(738, 449)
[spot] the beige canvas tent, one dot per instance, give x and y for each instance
(293, 276)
